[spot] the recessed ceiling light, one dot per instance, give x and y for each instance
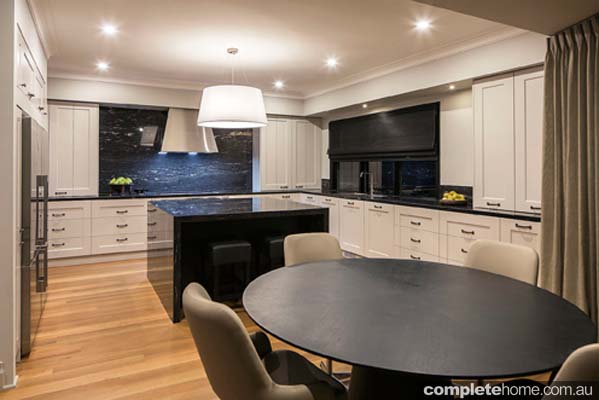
(102, 65)
(423, 25)
(364, 105)
(279, 84)
(109, 29)
(451, 87)
(332, 62)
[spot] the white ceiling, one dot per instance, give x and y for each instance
(182, 43)
(542, 16)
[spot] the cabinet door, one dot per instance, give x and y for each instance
(351, 226)
(523, 233)
(528, 108)
(379, 231)
(61, 150)
(494, 143)
(333, 205)
(275, 163)
(306, 148)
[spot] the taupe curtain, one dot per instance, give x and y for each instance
(570, 217)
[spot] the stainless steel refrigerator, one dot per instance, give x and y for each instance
(34, 228)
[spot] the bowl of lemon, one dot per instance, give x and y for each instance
(120, 185)
(453, 198)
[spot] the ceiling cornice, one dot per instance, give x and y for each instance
(44, 25)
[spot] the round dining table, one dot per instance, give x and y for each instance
(404, 324)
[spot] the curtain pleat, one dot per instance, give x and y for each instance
(570, 216)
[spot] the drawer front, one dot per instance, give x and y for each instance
(119, 225)
(309, 198)
(415, 255)
(286, 196)
(69, 247)
(118, 208)
(410, 217)
(61, 210)
(470, 231)
(457, 248)
(523, 233)
(160, 222)
(160, 240)
(329, 201)
(68, 228)
(380, 208)
(353, 204)
(419, 240)
(119, 243)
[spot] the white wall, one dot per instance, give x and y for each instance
(7, 196)
(455, 131)
(513, 53)
(125, 93)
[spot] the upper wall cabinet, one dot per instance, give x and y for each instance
(73, 149)
(508, 114)
(30, 82)
(290, 155)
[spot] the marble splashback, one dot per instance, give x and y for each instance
(121, 154)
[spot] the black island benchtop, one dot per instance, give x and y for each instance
(195, 224)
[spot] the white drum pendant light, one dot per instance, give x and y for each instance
(232, 106)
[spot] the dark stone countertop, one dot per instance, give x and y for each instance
(211, 208)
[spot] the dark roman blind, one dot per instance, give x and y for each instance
(406, 132)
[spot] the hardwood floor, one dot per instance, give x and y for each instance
(105, 335)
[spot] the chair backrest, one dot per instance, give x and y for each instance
(580, 366)
(517, 262)
(307, 247)
(232, 364)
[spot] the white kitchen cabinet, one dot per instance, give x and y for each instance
(275, 160)
(30, 82)
(69, 229)
(289, 155)
(528, 109)
(493, 103)
(333, 205)
(457, 232)
(119, 226)
(74, 149)
(523, 233)
(417, 233)
(379, 230)
(351, 226)
(306, 146)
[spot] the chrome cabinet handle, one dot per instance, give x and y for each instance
(122, 225)
(122, 240)
(58, 229)
(464, 251)
(415, 257)
(523, 226)
(467, 232)
(58, 214)
(415, 223)
(58, 244)
(122, 211)
(415, 240)
(493, 204)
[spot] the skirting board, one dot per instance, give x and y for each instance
(65, 262)
(10, 385)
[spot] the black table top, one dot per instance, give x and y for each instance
(209, 208)
(418, 317)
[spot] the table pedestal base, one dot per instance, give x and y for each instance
(377, 384)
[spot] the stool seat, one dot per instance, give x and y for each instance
(231, 252)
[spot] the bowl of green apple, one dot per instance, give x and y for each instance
(120, 185)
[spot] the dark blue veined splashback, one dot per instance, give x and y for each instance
(122, 154)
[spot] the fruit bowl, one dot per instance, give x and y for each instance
(453, 199)
(448, 202)
(120, 189)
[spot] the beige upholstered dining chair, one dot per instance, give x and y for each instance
(308, 247)
(242, 367)
(517, 262)
(580, 366)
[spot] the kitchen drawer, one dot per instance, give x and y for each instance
(60, 210)
(469, 226)
(160, 240)
(421, 218)
(119, 243)
(416, 255)
(380, 208)
(309, 198)
(523, 233)
(118, 208)
(354, 204)
(419, 240)
(69, 247)
(68, 228)
(119, 225)
(159, 222)
(457, 248)
(286, 196)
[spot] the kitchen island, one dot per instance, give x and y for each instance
(186, 227)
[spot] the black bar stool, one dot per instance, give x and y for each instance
(274, 253)
(234, 254)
